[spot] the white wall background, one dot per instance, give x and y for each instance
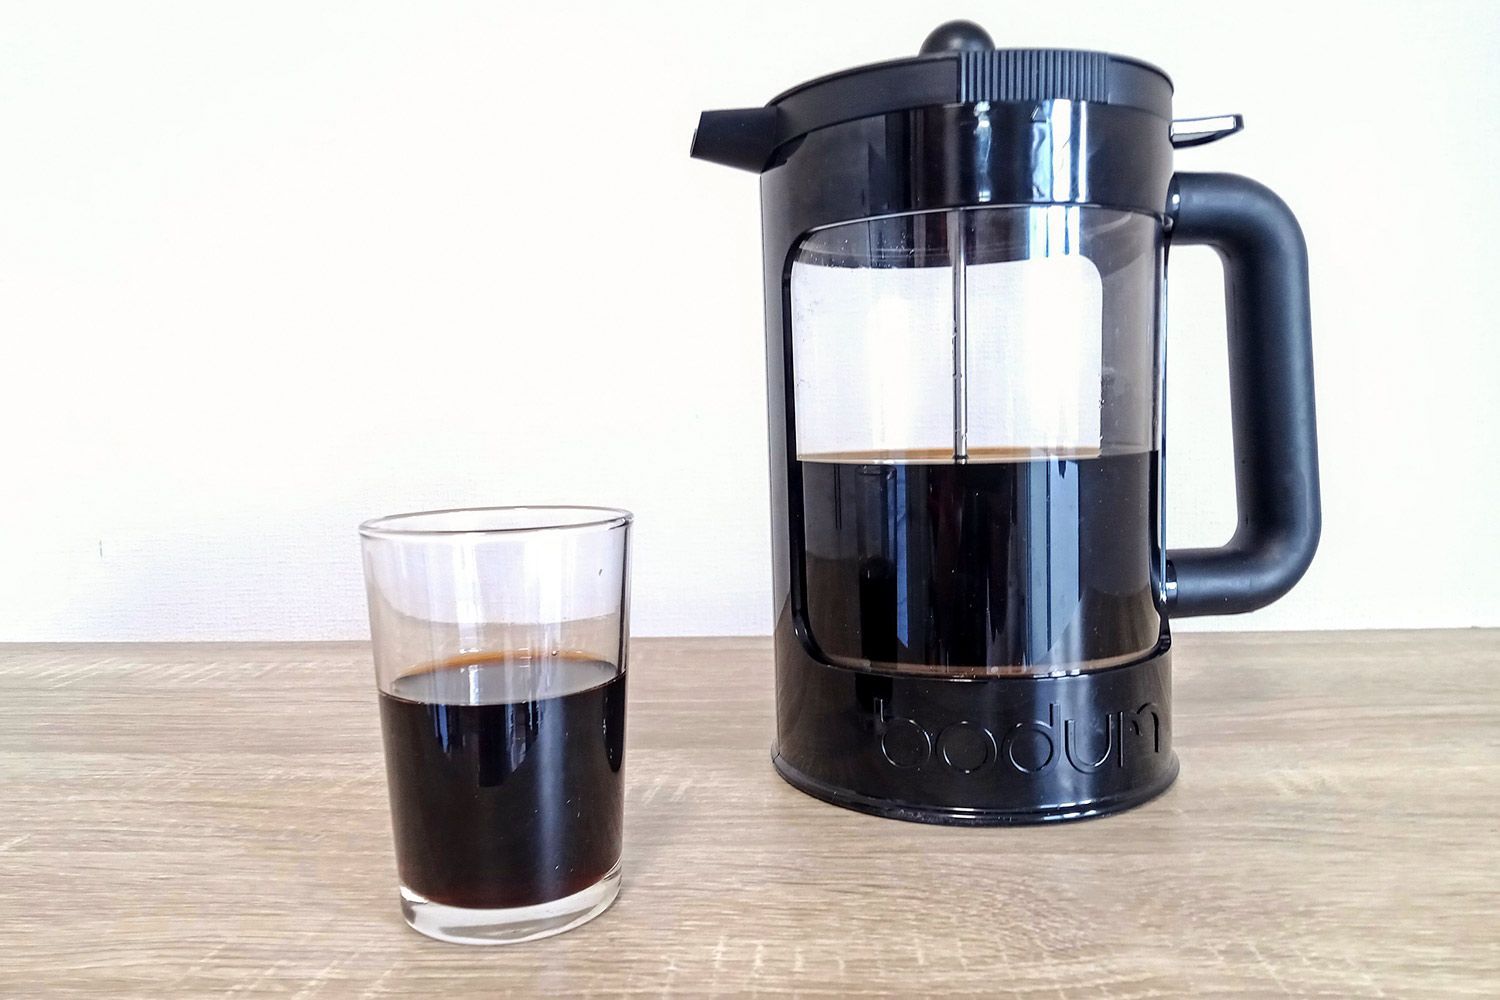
(267, 269)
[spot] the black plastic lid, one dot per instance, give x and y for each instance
(958, 64)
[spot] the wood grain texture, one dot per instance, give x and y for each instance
(197, 820)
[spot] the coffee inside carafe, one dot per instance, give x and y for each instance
(981, 568)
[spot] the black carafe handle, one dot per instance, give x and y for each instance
(1271, 397)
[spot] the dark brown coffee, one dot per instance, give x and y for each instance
(1021, 565)
(506, 778)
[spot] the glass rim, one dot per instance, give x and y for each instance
(546, 517)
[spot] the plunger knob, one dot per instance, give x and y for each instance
(957, 36)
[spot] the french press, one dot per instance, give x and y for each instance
(965, 256)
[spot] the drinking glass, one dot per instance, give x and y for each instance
(500, 650)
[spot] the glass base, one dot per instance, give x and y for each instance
(509, 926)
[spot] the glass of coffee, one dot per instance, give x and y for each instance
(500, 645)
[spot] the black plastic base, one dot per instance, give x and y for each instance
(955, 816)
(975, 752)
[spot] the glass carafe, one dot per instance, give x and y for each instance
(975, 418)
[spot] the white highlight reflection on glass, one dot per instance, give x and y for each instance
(1035, 355)
(873, 360)
(873, 356)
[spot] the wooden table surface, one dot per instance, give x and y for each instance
(196, 820)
